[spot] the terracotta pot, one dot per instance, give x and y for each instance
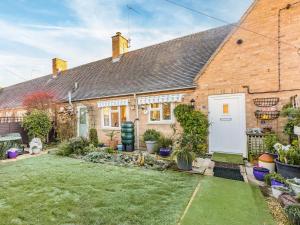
(113, 144)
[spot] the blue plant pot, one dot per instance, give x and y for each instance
(260, 173)
(165, 152)
(276, 183)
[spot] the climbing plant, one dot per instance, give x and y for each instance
(195, 124)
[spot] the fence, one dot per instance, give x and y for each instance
(13, 125)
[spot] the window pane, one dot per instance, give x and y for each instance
(82, 115)
(115, 119)
(155, 115)
(123, 114)
(114, 108)
(154, 105)
(106, 117)
(166, 111)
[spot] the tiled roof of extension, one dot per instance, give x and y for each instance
(166, 66)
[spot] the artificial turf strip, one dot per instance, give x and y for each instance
(55, 190)
(226, 202)
(228, 173)
(227, 158)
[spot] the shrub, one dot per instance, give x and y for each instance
(94, 137)
(38, 124)
(293, 213)
(274, 176)
(78, 146)
(165, 142)
(270, 140)
(288, 154)
(151, 135)
(195, 127)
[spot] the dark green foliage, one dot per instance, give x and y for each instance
(77, 146)
(293, 116)
(165, 142)
(38, 124)
(94, 137)
(293, 213)
(151, 135)
(274, 176)
(270, 140)
(195, 127)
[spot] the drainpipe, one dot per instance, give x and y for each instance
(136, 121)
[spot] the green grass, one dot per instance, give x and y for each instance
(54, 190)
(226, 202)
(227, 158)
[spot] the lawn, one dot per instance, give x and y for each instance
(226, 202)
(55, 190)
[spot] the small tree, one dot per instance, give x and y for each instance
(38, 124)
(39, 100)
(94, 137)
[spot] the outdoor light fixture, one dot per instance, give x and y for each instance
(193, 103)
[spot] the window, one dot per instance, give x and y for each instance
(160, 112)
(112, 117)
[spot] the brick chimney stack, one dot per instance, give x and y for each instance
(119, 45)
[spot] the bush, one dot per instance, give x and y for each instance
(270, 140)
(151, 135)
(94, 137)
(37, 124)
(78, 146)
(195, 127)
(293, 213)
(165, 142)
(274, 176)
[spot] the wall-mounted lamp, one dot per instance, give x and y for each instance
(193, 103)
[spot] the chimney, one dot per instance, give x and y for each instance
(58, 65)
(119, 46)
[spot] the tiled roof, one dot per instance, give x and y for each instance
(169, 65)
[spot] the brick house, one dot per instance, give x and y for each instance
(223, 70)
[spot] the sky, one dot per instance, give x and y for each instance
(32, 32)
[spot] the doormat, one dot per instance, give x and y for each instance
(229, 171)
(227, 158)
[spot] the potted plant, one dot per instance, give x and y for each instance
(184, 158)
(260, 173)
(270, 140)
(165, 146)
(151, 137)
(295, 185)
(293, 213)
(183, 153)
(112, 143)
(275, 179)
(288, 162)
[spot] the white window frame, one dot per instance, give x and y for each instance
(109, 117)
(162, 121)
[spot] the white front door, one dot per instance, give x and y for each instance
(227, 132)
(83, 126)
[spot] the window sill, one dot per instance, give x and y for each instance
(111, 128)
(161, 123)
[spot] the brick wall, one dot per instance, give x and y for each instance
(255, 61)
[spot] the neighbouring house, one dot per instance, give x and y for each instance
(240, 75)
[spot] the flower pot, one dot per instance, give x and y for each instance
(165, 151)
(35, 150)
(120, 147)
(267, 161)
(12, 154)
(297, 130)
(276, 183)
(288, 171)
(150, 146)
(183, 164)
(113, 144)
(295, 187)
(277, 191)
(260, 173)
